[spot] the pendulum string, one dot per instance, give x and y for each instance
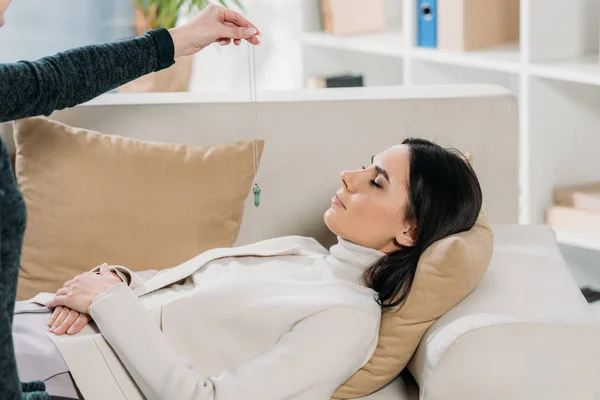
(253, 101)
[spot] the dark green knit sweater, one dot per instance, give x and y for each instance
(38, 88)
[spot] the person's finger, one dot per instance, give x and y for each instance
(79, 324)
(225, 41)
(254, 40)
(104, 270)
(71, 318)
(54, 315)
(72, 281)
(237, 18)
(63, 291)
(237, 33)
(60, 319)
(58, 301)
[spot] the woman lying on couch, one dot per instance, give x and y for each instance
(279, 319)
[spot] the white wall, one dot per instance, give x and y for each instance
(38, 28)
(278, 60)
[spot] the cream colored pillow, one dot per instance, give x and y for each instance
(94, 198)
(447, 272)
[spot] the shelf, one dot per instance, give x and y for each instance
(505, 58)
(585, 69)
(384, 44)
(584, 240)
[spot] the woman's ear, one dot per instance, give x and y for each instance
(407, 235)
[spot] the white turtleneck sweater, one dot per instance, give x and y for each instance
(283, 327)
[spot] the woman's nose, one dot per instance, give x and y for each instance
(348, 181)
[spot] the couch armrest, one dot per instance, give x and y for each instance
(527, 361)
(525, 333)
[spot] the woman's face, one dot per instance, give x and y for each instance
(369, 207)
(3, 6)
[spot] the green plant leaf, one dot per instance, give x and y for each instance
(240, 5)
(167, 11)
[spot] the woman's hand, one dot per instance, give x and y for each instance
(213, 24)
(79, 292)
(64, 320)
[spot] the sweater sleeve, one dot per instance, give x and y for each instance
(131, 278)
(313, 359)
(75, 76)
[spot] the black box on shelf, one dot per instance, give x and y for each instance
(337, 81)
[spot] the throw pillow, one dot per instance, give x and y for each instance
(94, 198)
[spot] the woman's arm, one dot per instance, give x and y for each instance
(318, 354)
(76, 76)
(132, 278)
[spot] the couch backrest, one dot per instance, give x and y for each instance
(312, 135)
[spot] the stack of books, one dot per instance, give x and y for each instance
(577, 208)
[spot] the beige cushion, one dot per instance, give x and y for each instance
(94, 198)
(447, 272)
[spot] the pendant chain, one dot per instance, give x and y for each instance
(253, 100)
(254, 108)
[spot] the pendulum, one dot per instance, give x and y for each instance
(256, 192)
(256, 189)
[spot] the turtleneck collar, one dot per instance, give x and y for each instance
(349, 260)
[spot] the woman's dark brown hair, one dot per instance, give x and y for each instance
(445, 198)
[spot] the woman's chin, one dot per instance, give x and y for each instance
(329, 213)
(330, 220)
(2, 21)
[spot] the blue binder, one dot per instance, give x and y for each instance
(427, 23)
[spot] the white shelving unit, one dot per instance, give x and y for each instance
(382, 44)
(583, 69)
(504, 58)
(554, 71)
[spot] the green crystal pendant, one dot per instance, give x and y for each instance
(256, 191)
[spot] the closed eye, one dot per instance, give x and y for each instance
(380, 170)
(373, 182)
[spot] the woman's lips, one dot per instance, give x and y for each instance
(336, 200)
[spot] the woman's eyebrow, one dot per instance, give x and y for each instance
(382, 172)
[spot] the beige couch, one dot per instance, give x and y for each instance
(524, 333)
